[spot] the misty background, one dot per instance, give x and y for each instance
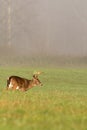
(43, 31)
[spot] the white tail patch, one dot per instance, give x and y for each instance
(10, 85)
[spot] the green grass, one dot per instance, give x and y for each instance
(61, 104)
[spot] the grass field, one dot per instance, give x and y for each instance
(61, 104)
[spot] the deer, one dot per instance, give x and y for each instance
(23, 84)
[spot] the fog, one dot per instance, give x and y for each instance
(44, 27)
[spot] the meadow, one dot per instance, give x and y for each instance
(61, 104)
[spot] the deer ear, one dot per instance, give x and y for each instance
(35, 76)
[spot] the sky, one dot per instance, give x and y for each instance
(51, 27)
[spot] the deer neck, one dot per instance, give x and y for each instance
(31, 85)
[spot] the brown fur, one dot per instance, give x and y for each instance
(23, 84)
